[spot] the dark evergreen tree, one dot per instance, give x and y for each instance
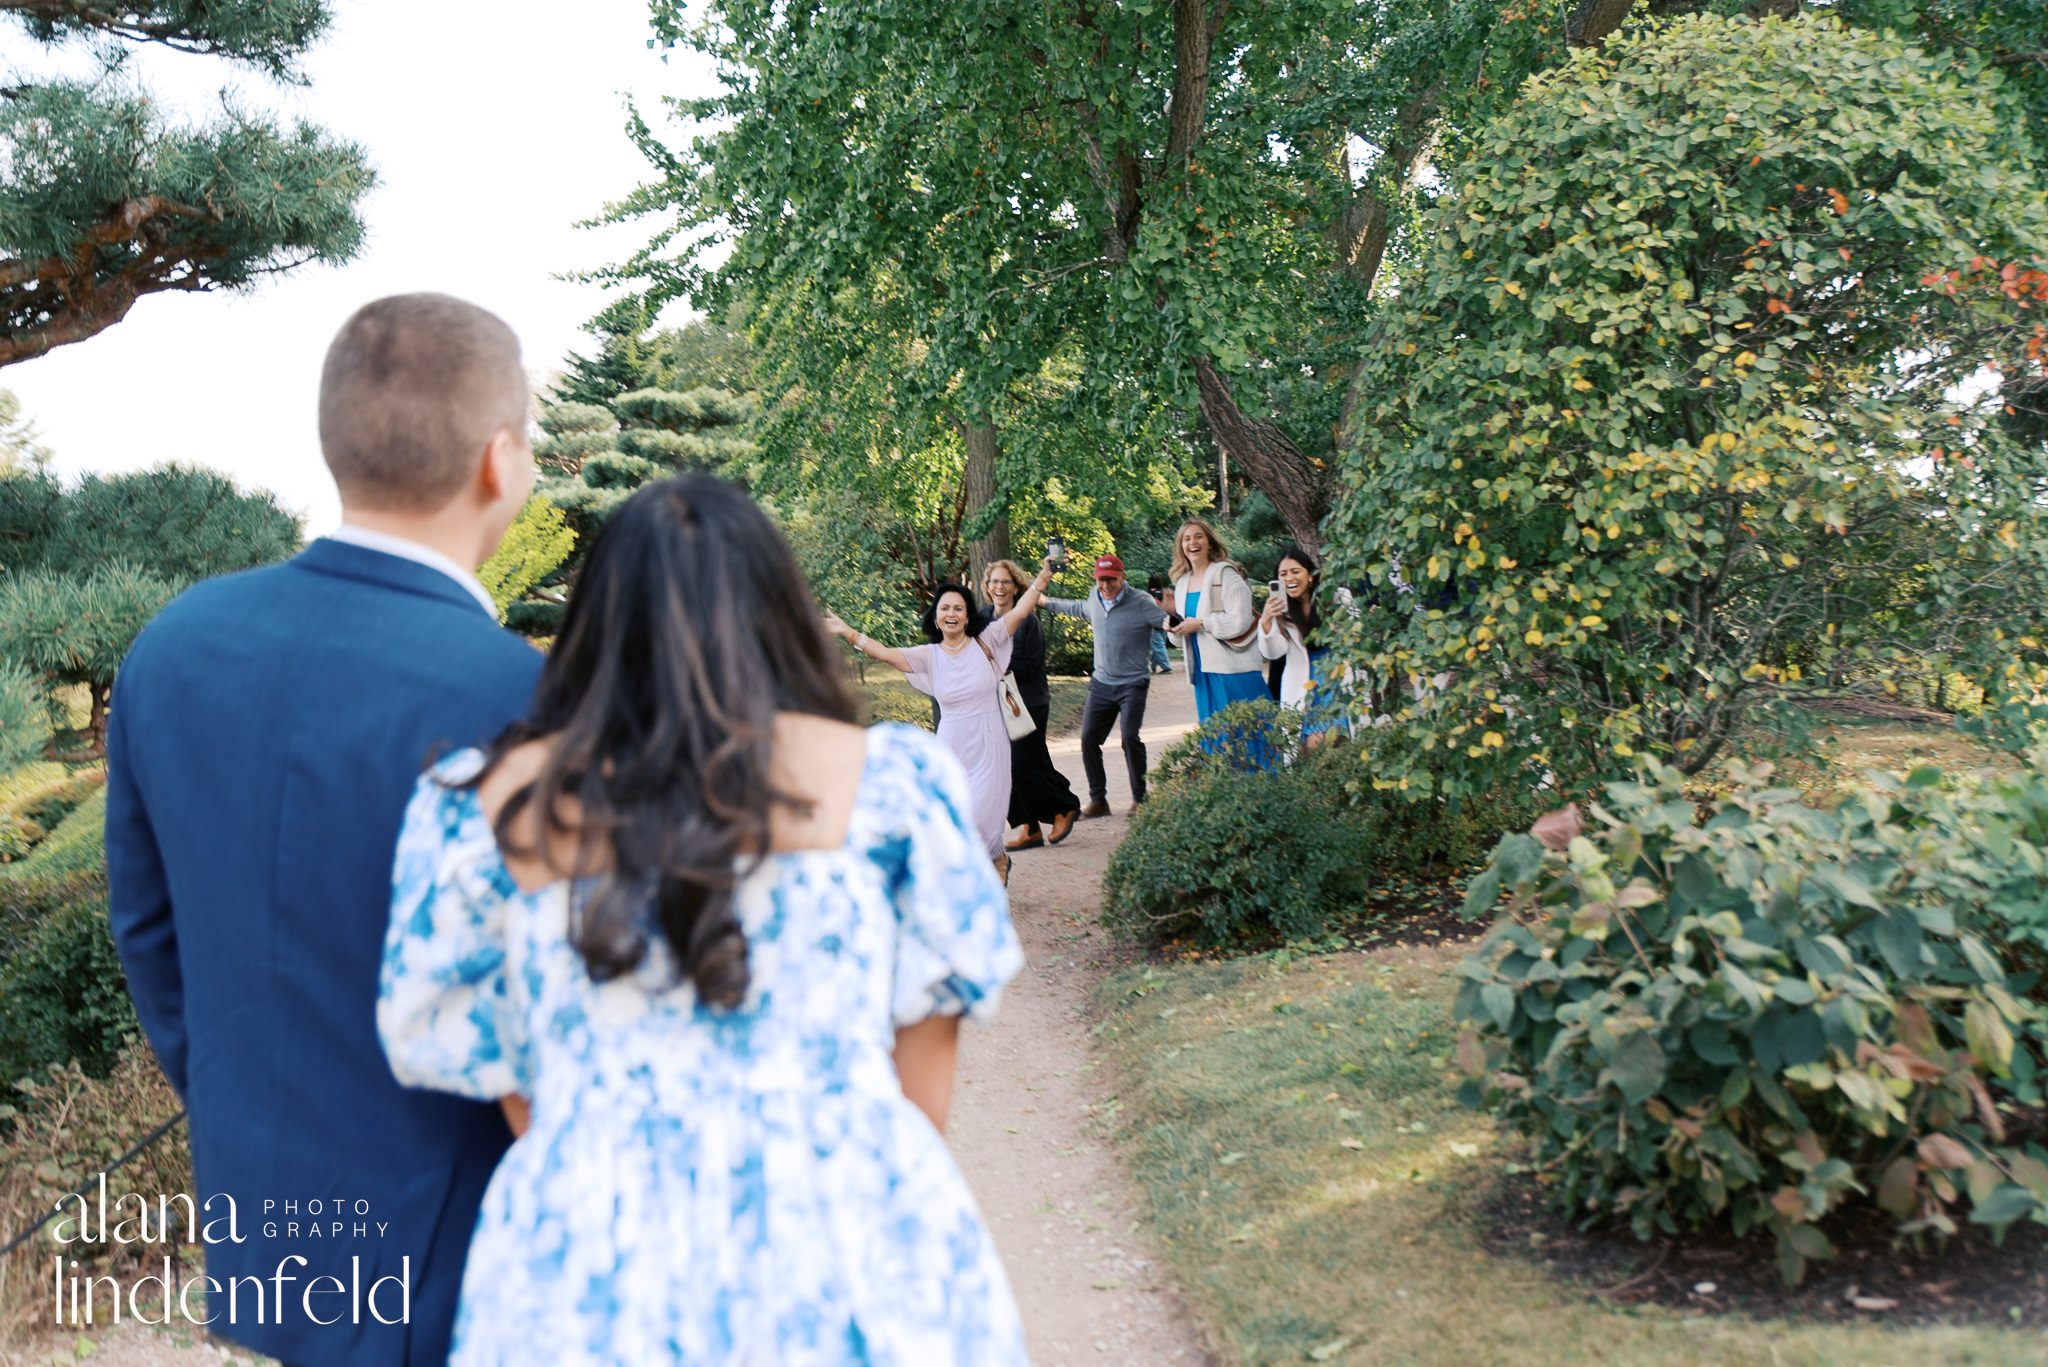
(83, 570)
(104, 200)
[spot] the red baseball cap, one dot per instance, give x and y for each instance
(1109, 567)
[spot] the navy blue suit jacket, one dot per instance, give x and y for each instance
(266, 731)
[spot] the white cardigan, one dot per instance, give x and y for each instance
(1225, 613)
(1285, 643)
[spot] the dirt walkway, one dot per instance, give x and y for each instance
(1025, 1113)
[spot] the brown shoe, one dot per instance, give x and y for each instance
(1096, 808)
(1061, 825)
(1031, 839)
(1003, 870)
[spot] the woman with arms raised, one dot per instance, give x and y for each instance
(720, 939)
(963, 667)
(1039, 792)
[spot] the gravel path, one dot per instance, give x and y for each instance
(1024, 1128)
(1024, 1124)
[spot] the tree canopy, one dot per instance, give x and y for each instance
(1199, 197)
(103, 198)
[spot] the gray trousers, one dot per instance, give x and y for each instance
(1106, 702)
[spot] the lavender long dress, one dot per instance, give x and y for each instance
(971, 721)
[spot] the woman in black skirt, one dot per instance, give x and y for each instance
(1041, 800)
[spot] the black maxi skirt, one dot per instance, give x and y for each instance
(1038, 791)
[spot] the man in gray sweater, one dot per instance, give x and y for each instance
(1123, 619)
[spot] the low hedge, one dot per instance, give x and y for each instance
(1237, 844)
(64, 996)
(1758, 1015)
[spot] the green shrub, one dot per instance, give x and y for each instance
(77, 844)
(1756, 1017)
(24, 717)
(64, 997)
(1232, 846)
(889, 698)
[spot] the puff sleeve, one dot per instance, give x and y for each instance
(444, 1010)
(956, 948)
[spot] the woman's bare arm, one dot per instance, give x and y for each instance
(873, 649)
(924, 1062)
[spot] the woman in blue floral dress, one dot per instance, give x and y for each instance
(719, 940)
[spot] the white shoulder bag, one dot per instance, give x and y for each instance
(1017, 719)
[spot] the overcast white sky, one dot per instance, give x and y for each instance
(494, 126)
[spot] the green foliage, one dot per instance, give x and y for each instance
(268, 34)
(535, 545)
(105, 199)
(1668, 420)
(74, 628)
(1756, 1017)
(180, 522)
(24, 720)
(1232, 847)
(31, 810)
(86, 568)
(574, 433)
(64, 997)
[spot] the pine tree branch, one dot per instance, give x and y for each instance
(271, 34)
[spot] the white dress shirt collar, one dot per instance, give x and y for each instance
(407, 549)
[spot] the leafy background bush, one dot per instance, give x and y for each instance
(1231, 846)
(1763, 1015)
(63, 994)
(1668, 415)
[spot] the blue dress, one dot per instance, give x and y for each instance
(702, 1186)
(1214, 692)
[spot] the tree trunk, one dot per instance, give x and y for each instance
(979, 485)
(1297, 483)
(1591, 21)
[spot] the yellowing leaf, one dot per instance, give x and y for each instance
(1493, 738)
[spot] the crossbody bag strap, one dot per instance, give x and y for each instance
(1002, 683)
(1243, 638)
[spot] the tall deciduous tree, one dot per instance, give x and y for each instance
(1198, 195)
(103, 199)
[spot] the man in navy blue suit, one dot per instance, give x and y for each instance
(265, 734)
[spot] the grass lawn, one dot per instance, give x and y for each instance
(890, 698)
(1321, 1195)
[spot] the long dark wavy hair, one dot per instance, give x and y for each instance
(1302, 611)
(690, 628)
(977, 616)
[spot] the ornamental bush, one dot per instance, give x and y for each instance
(1232, 847)
(1670, 419)
(1758, 1016)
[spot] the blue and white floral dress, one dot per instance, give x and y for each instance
(745, 1187)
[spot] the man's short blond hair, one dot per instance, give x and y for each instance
(414, 388)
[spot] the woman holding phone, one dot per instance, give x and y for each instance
(1291, 631)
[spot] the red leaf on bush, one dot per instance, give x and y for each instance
(1556, 830)
(1940, 1151)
